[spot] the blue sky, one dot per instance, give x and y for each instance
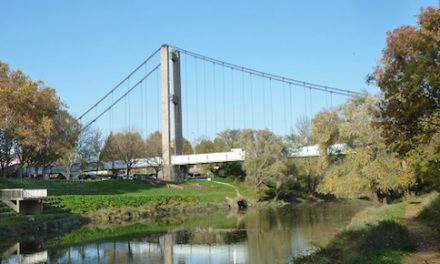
(83, 48)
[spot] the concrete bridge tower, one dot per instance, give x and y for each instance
(170, 172)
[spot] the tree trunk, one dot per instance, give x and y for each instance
(68, 169)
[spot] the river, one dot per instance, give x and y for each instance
(257, 236)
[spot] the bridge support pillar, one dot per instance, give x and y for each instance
(170, 172)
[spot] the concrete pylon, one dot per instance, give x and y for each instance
(170, 172)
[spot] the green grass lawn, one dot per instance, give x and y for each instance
(86, 196)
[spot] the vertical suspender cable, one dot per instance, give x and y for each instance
(252, 101)
(214, 85)
(305, 103)
(185, 88)
(224, 97)
(311, 108)
(129, 105)
(197, 95)
(158, 96)
(112, 113)
(291, 108)
(146, 104)
(204, 99)
(141, 90)
(270, 105)
(244, 99)
(232, 98)
(284, 107)
(264, 103)
(331, 99)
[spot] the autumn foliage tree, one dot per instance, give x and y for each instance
(409, 78)
(126, 146)
(34, 126)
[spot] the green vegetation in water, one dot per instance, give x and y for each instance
(90, 233)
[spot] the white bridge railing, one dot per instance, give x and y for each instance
(23, 194)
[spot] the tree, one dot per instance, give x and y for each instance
(64, 139)
(325, 128)
(369, 168)
(126, 146)
(230, 138)
(26, 112)
(205, 146)
(89, 146)
(265, 163)
(7, 143)
(409, 78)
(305, 168)
(153, 147)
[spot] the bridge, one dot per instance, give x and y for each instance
(25, 201)
(212, 94)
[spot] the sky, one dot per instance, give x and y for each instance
(83, 48)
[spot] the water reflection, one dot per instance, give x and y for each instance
(260, 236)
(28, 252)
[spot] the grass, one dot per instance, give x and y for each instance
(67, 199)
(385, 242)
(431, 214)
(87, 196)
(373, 236)
(374, 214)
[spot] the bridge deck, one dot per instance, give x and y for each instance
(23, 194)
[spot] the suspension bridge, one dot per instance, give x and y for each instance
(183, 93)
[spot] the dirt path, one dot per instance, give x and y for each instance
(428, 244)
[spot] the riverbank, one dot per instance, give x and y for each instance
(71, 203)
(393, 233)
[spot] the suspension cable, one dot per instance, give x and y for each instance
(121, 97)
(295, 82)
(119, 84)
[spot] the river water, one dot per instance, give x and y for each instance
(258, 236)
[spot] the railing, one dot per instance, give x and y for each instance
(22, 194)
(35, 193)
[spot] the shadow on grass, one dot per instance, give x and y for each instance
(382, 243)
(431, 215)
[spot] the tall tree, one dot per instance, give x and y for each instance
(369, 168)
(126, 146)
(265, 163)
(89, 147)
(153, 146)
(325, 128)
(30, 119)
(409, 78)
